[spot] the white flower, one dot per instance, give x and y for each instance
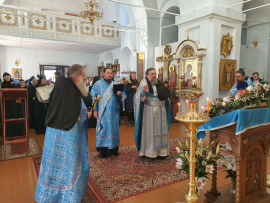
(178, 149)
(266, 87)
(203, 163)
(250, 88)
(223, 103)
(199, 182)
(209, 169)
(234, 168)
(236, 97)
(179, 163)
(227, 99)
(229, 166)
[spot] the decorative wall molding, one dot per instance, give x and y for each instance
(56, 36)
(21, 23)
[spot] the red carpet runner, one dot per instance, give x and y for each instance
(117, 178)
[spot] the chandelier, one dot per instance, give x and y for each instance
(91, 11)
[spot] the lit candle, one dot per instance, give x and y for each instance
(179, 108)
(207, 106)
(187, 106)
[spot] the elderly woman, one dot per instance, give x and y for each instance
(13, 110)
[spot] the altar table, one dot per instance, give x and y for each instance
(248, 133)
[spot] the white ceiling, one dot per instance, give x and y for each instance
(31, 43)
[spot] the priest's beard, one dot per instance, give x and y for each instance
(238, 81)
(82, 87)
(154, 82)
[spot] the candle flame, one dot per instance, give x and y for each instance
(187, 101)
(178, 103)
(207, 99)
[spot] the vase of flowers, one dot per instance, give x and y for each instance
(230, 164)
(205, 161)
(252, 96)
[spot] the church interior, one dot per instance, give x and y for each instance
(196, 47)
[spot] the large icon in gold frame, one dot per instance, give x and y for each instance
(227, 74)
(189, 73)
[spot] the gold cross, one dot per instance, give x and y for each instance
(188, 33)
(87, 28)
(8, 17)
(37, 21)
(64, 25)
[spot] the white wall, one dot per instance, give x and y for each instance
(30, 59)
(257, 58)
(208, 25)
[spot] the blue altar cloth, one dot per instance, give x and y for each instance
(244, 118)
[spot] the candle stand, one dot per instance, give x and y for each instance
(192, 120)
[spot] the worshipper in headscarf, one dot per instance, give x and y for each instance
(40, 109)
(64, 169)
(28, 82)
(22, 83)
(93, 120)
(130, 90)
(153, 117)
(31, 98)
(14, 109)
(107, 114)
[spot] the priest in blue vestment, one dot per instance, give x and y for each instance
(107, 114)
(240, 77)
(153, 117)
(64, 169)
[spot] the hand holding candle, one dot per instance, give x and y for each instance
(207, 106)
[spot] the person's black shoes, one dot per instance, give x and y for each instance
(162, 157)
(102, 157)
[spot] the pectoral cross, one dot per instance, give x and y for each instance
(188, 33)
(166, 59)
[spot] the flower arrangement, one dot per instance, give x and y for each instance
(205, 161)
(252, 95)
(230, 164)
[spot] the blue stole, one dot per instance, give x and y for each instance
(138, 111)
(103, 102)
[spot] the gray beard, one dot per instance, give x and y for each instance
(82, 87)
(153, 82)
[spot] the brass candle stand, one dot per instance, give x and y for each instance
(192, 120)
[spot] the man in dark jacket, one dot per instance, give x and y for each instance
(256, 79)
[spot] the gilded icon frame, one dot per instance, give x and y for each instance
(227, 71)
(193, 82)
